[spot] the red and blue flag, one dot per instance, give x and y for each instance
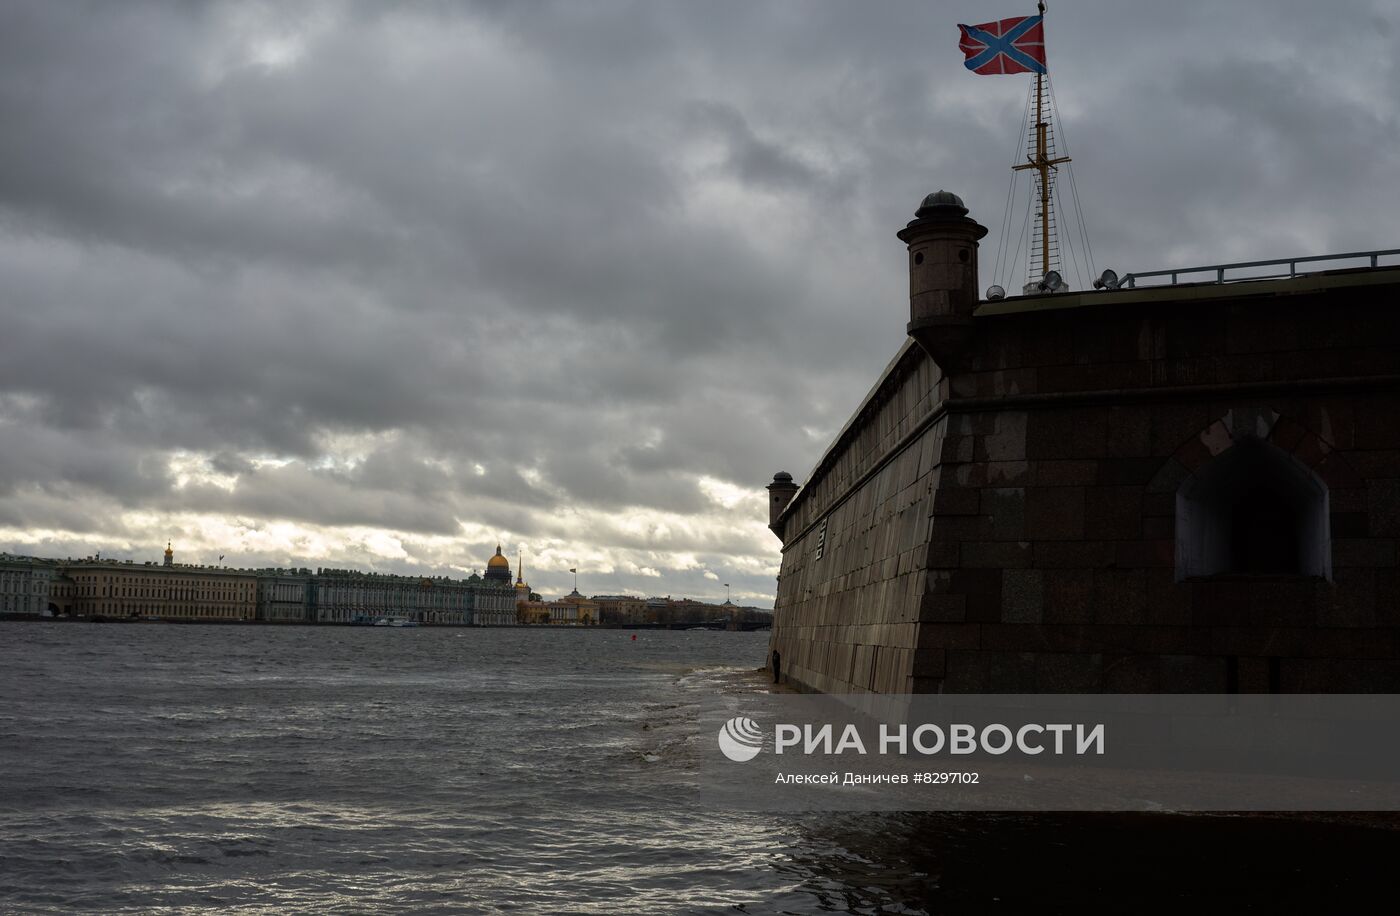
(1006, 46)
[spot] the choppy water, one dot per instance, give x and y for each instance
(161, 768)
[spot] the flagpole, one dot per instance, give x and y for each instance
(1040, 155)
(1044, 172)
(1042, 163)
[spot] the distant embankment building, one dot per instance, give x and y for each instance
(1184, 488)
(109, 589)
(25, 585)
(116, 589)
(121, 590)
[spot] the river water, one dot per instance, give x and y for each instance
(167, 768)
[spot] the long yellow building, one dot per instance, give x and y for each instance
(173, 592)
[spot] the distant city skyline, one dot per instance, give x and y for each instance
(516, 572)
(380, 287)
(108, 589)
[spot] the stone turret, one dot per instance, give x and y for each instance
(780, 493)
(942, 242)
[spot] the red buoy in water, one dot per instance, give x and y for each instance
(634, 637)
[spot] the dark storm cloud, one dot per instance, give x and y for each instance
(754, 161)
(533, 266)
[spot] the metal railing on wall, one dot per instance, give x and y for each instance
(1259, 270)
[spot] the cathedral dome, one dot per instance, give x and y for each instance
(498, 567)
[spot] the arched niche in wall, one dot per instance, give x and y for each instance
(1253, 509)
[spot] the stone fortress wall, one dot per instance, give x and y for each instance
(1177, 489)
(847, 617)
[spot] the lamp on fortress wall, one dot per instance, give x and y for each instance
(1107, 280)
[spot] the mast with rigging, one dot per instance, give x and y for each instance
(1041, 159)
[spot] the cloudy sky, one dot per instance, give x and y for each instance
(354, 284)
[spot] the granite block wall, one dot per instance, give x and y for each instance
(1053, 559)
(846, 618)
(1015, 524)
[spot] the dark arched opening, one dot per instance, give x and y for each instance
(1253, 510)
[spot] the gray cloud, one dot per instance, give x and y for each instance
(275, 277)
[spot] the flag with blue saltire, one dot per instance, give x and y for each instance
(1005, 46)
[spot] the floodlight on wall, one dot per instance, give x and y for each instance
(1051, 282)
(1107, 280)
(995, 292)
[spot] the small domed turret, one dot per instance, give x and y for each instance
(940, 203)
(780, 493)
(942, 242)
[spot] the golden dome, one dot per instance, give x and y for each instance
(498, 561)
